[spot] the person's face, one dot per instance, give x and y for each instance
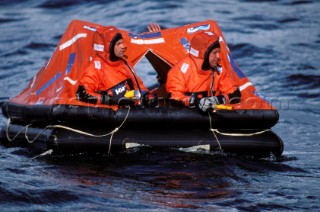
(119, 48)
(214, 57)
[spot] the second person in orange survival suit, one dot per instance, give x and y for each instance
(198, 79)
(109, 78)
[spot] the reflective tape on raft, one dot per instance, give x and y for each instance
(151, 41)
(72, 40)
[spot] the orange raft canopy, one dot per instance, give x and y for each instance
(50, 98)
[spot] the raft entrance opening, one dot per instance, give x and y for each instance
(153, 70)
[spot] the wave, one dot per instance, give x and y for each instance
(304, 81)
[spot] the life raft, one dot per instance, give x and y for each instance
(48, 114)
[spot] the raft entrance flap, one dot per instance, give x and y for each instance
(160, 65)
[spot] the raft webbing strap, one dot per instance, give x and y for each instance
(66, 128)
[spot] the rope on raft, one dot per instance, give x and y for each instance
(214, 131)
(25, 128)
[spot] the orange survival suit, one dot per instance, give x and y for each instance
(107, 77)
(193, 77)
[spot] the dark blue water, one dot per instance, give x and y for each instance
(276, 43)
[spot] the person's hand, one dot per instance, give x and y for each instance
(146, 96)
(132, 94)
(207, 103)
(153, 27)
(135, 94)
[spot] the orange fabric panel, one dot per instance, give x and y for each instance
(57, 80)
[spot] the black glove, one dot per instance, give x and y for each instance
(121, 101)
(146, 97)
(208, 102)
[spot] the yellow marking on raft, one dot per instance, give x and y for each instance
(223, 107)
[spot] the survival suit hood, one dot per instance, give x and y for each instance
(201, 46)
(104, 42)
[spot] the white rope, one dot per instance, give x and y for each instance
(7, 131)
(66, 128)
(239, 134)
(26, 134)
(214, 131)
(217, 139)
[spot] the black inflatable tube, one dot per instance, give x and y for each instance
(63, 141)
(148, 117)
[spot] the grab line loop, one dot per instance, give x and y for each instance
(214, 131)
(25, 128)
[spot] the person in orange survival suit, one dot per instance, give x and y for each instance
(198, 79)
(109, 79)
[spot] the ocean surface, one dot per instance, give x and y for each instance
(275, 42)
